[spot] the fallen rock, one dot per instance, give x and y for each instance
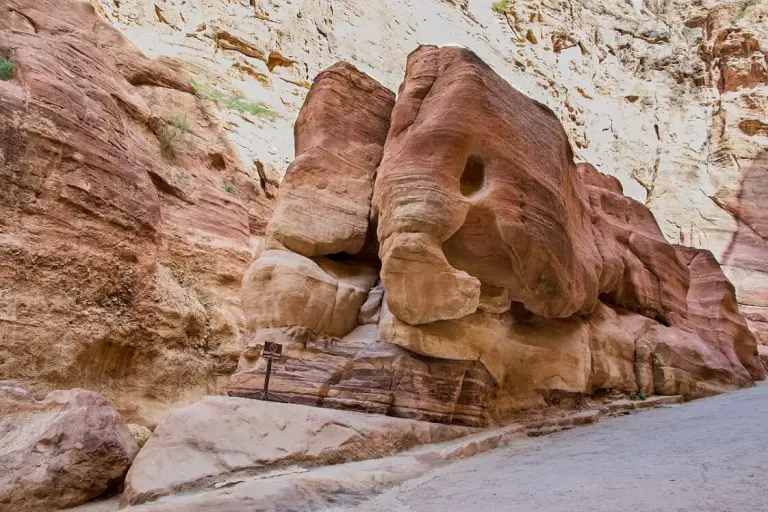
(61, 451)
(343, 484)
(220, 438)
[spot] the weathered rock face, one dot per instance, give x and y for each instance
(471, 196)
(61, 451)
(122, 251)
(669, 97)
(122, 265)
(219, 439)
(339, 133)
(511, 277)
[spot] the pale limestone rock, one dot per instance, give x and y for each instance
(221, 438)
(140, 433)
(282, 289)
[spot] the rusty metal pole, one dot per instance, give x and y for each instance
(265, 396)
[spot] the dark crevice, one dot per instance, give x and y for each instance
(473, 178)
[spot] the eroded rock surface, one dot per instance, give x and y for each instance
(61, 451)
(221, 438)
(511, 278)
(471, 196)
(126, 218)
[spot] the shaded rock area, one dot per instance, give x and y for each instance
(511, 278)
(60, 451)
(220, 439)
(127, 220)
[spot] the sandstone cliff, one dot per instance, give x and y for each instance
(126, 218)
(669, 97)
(510, 277)
(136, 190)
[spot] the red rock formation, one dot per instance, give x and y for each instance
(121, 264)
(324, 202)
(469, 195)
(511, 278)
(61, 451)
(640, 270)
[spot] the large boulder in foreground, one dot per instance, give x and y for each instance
(219, 438)
(61, 451)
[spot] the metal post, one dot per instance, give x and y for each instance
(266, 380)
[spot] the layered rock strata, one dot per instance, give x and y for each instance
(510, 277)
(126, 218)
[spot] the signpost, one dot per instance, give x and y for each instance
(271, 352)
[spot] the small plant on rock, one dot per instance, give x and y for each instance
(172, 136)
(236, 102)
(228, 187)
(6, 68)
(501, 7)
(639, 395)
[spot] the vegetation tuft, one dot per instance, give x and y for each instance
(228, 187)
(501, 7)
(6, 68)
(173, 135)
(639, 395)
(236, 102)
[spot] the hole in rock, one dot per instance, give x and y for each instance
(473, 178)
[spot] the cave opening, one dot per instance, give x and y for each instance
(473, 178)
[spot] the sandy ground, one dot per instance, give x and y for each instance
(706, 455)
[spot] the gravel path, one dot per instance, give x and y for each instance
(706, 455)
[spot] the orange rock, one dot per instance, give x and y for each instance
(468, 194)
(324, 201)
(121, 263)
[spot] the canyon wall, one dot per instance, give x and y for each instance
(143, 143)
(126, 218)
(668, 96)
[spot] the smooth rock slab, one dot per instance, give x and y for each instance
(219, 438)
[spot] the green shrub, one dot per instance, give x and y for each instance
(501, 7)
(236, 102)
(6, 69)
(172, 136)
(228, 187)
(639, 395)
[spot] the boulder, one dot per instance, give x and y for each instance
(220, 438)
(324, 201)
(478, 186)
(324, 296)
(61, 451)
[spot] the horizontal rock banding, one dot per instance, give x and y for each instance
(510, 276)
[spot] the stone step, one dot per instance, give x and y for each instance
(545, 426)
